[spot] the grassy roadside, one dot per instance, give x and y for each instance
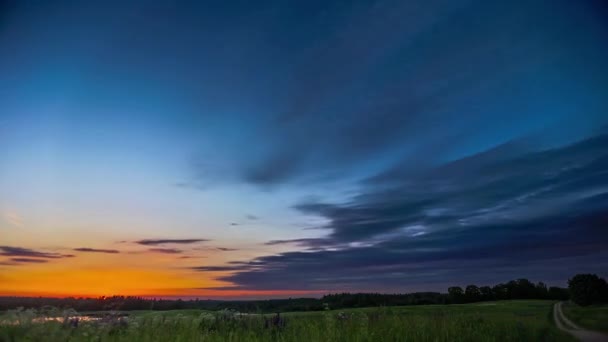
(593, 317)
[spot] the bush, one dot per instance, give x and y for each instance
(587, 289)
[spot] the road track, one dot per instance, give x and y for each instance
(564, 324)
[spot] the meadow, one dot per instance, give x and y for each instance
(516, 320)
(594, 317)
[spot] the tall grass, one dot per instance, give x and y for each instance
(594, 317)
(506, 321)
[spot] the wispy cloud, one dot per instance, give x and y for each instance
(226, 249)
(156, 242)
(165, 250)
(29, 260)
(96, 250)
(191, 257)
(220, 249)
(217, 268)
(298, 242)
(30, 253)
(12, 218)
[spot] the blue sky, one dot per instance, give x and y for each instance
(384, 140)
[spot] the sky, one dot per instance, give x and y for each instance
(261, 149)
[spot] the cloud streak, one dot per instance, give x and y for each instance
(156, 242)
(13, 218)
(96, 250)
(30, 253)
(165, 250)
(29, 260)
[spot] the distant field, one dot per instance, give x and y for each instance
(488, 321)
(593, 317)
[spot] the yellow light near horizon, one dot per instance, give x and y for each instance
(125, 281)
(98, 282)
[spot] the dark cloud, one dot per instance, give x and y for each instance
(96, 250)
(252, 217)
(216, 268)
(155, 242)
(515, 213)
(165, 250)
(470, 191)
(191, 257)
(29, 260)
(226, 249)
(212, 248)
(29, 253)
(483, 256)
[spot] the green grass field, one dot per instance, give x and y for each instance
(489, 321)
(593, 317)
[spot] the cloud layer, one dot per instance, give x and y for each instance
(484, 218)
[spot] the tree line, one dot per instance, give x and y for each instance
(584, 289)
(514, 289)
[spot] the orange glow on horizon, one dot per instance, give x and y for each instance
(133, 271)
(172, 294)
(38, 281)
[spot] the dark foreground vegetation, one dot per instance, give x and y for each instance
(528, 320)
(592, 317)
(515, 289)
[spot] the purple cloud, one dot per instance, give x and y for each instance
(156, 242)
(95, 250)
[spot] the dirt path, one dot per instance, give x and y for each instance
(563, 323)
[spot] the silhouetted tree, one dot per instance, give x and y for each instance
(456, 294)
(587, 289)
(486, 293)
(501, 291)
(558, 293)
(541, 290)
(521, 289)
(472, 293)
